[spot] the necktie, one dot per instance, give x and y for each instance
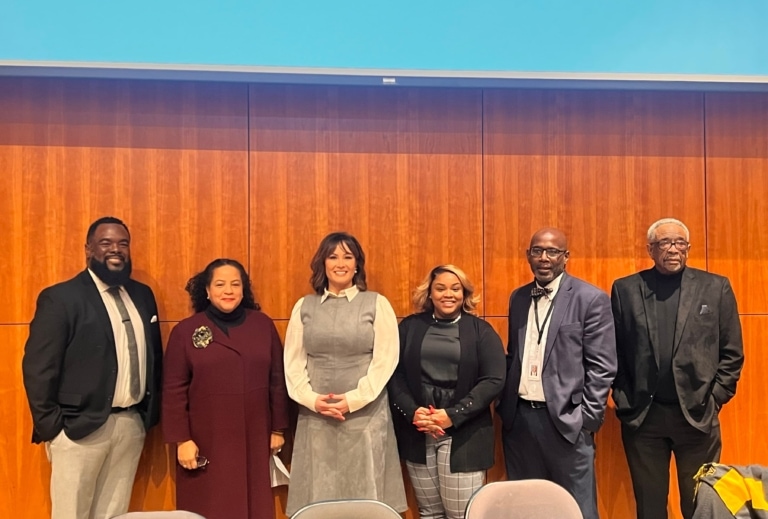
(537, 292)
(133, 350)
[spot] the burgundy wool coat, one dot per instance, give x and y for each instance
(227, 397)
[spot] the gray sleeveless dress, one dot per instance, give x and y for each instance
(356, 458)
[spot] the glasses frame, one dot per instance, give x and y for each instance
(202, 462)
(658, 245)
(548, 250)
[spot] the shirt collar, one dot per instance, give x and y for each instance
(349, 293)
(554, 285)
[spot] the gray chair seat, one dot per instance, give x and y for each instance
(526, 499)
(347, 509)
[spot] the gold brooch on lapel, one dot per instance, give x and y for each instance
(202, 337)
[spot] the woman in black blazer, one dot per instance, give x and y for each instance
(451, 369)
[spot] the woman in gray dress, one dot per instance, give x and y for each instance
(341, 348)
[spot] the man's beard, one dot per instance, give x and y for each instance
(110, 277)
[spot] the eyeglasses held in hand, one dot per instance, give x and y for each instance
(553, 253)
(665, 244)
(202, 462)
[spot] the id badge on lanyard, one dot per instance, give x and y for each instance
(534, 371)
(535, 357)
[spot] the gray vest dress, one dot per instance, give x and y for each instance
(356, 458)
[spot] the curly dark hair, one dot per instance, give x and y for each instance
(196, 286)
(319, 280)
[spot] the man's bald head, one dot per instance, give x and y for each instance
(556, 235)
(547, 254)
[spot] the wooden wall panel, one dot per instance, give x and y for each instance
(737, 194)
(24, 469)
(167, 158)
(422, 176)
(602, 166)
(746, 417)
(399, 169)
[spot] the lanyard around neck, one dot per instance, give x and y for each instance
(540, 328)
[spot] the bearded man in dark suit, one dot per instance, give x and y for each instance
(680, 354)
(92, 367)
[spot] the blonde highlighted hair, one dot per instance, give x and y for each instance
(423, 303)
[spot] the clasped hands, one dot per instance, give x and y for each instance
(335, 409)
(431, 421)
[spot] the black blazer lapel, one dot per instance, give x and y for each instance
(688, 291)
(467, 355)
(648, 293)
(93, 297)
(522, 305)
(412, 353)
(561, 302)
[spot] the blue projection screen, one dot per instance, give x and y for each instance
(667, 43)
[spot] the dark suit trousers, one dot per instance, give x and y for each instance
(535, 449)
(663, 432)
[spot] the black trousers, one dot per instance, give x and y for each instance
(649, 448)
(535, 449)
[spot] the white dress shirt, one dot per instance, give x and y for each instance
(533, 352)
(122, 397)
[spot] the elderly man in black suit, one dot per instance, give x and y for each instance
(92, 368)
(561, 360)
(678, 340)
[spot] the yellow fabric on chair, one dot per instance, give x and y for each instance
(730, 491)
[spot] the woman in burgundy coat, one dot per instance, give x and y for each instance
(225, 404)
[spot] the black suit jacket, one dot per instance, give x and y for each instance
(579, 357)
(70, 363)
(480, 379)
(707, 352)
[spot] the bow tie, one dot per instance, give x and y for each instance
(537, 292)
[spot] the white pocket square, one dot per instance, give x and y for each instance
(705, 310)
(154, 319)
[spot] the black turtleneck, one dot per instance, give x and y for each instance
(226, 320)
(667, 301)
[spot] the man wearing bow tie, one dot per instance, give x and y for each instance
(92, 368)
(680, 355)
(561, 360)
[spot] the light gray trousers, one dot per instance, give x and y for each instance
(92, 478)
